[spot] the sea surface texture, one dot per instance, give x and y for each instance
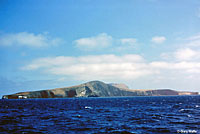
(139, 115)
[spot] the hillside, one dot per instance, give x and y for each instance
(94, 89)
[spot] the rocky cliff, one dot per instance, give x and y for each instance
(94, 89)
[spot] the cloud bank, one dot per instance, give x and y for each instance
(93, 67)
(113, 67)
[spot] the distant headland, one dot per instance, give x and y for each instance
(95, 89)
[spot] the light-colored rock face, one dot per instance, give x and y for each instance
(120, 86)
(188, 93)
(94, 89)
(59, 91)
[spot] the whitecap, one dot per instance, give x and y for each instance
(181, 110)
(87, 107)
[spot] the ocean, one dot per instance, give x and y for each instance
(123, 115)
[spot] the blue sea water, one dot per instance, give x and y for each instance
(137, 115)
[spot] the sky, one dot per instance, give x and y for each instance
(145, 44)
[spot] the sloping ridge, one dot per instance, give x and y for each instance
(90, 89)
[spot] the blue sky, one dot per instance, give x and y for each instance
(142, 43)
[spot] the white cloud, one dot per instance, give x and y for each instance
(158, 39)
(186, 54)
(176, 66)
(93, 67)
(28, 39)
(96, 42)
(188, 50)
(104, 40)
(128, 41)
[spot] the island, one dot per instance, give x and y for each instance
(95, 89)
